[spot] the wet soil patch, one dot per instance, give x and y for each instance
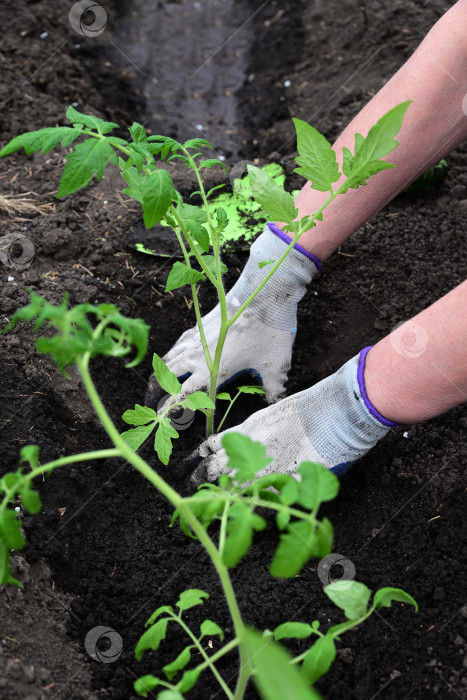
(101, 552)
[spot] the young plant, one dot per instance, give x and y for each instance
(199, 230)
(75, 336)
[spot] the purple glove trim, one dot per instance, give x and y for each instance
(361, 383)
(283, 236)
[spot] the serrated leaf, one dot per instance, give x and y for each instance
(210, 262)
(317, 485)
(245, 455)
(318, 659)
(134, 179)
(192, 213)
(385, 596)
(197, 143)
(213, 189)
(251, 390)
(199, 233)
(188, 599)
(140, 415)
(316, 158)
(181, 274)
(136, 436)
(88, 158)
(295, 549)
(166, 378)
(211, 163)
(241, 524)
(145, 684)
(209, 628)
(351, 596)
(178, 664)
(274, 200)
(90, 121)
(158, 194)
(163, 440)
(198, 399)
(293, 630)
(152, 638)
(160, 611)
(42, 140)
(368, 151)
(138, 133)
(275, 676)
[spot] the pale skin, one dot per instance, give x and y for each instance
(430, 375)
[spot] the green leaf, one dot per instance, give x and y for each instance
(170, 695)
(275, 676)
(30, 499)
(295, 630)
(138, 133)
(160, 611)
(88, 158)
(224, 396)
(209, 628)
(167, 379)
(152, 638)
(316, 158)
(319, 658)
(42, 140)
(318, 484)
(140, 415)
(163, 440)
(145, 684)
(222, 219)
(10, 530)
(30, 454)
(134, 179)
(351, 596)
(368, 151)
(245, 455)
(264, 263)
(211, 163)
(136, 436)
(251, 390)
(240, 526)
(188, 599)
(210, 262)
(296, 547)
(189, 679)
(178, 664)
(90, 121)
(197, 143)
(198, 399)
(190, 212)
(199, 233)
(324, 539)
(181, 274)
(385, 596)
(5, 566)
(274, 200)
(158, 194)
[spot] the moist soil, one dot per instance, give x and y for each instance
(101, 552)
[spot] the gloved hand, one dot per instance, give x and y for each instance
(260, 341)
(333, 423)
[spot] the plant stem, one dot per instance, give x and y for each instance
(219, 654)
(214, 373)
(50, 466)
(208, 660)
(228, 411)
(178, 502)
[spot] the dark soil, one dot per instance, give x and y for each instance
(101, 552)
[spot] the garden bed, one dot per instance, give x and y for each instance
(101, 552)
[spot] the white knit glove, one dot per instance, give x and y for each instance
(333, 423)
(260, 341)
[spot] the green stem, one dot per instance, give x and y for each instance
(178, 502)
(218, 655)
(207, 660)
(223, 527)
(207, 354)
(232, 401)
(50, 466)
(214, 373)
(192, 245)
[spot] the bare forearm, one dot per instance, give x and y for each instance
(435, 79)
(420, 369)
